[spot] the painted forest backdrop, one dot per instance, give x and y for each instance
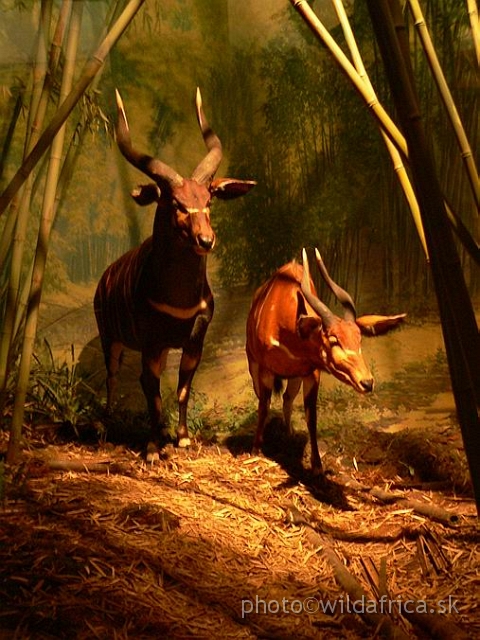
(287, 118)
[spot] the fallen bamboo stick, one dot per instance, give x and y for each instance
(423, 508)
(80, 466)
(384, 626)
(434, 623)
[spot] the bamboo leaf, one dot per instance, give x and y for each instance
(91, 69)
(46, 223)
(447, 98)
(347, 67)
(398, 165)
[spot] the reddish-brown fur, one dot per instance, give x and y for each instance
(290, 339)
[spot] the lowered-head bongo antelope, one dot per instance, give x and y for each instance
(157, 297)
(293, 335)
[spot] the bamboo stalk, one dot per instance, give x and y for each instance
(22, 302)
(46, 224)
(424, 508)
(460, 330)
(385, 123)
(43, 74)
(383, 625)
(468, 241)
(40, 68)
(398, 165)
(474, 23)
(82, 125)
(91, 69)
(347, 67)
(15, 229)
(7, 143)
(447, 98)
(39, 73)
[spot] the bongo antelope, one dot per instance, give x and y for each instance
(157, 297)
(293, 335)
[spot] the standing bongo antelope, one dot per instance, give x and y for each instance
(293, 335)
(157, 297)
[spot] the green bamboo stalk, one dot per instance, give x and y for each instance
(23, 302)
(91, 69)
(16, 234)
(43, 71)
(38, 79)
(13, 237)
(379, 113)
(347, 67)
(7, 143)
(82, 125)
(7, 233)
(33, 135)
(398, 164)
(40, 68)
(468, 241)
(474, 23)
(46, 223)
(459, 326)
(447, 98)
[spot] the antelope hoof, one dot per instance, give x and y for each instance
(184, 443)
(153, 456)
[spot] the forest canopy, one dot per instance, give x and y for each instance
(287, 118)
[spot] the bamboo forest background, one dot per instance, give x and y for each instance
(287, 118)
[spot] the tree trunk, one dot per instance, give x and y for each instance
(457, 316)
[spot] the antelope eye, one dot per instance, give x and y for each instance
(178, 206)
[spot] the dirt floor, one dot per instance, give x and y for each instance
(216, 543)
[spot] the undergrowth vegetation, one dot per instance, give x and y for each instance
(62, 404)
(58, 393)
(412, 387)
(370, 432)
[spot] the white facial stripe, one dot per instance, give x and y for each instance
(352, 352)
(192, 211)
(347, 352)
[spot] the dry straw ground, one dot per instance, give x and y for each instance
(215, 543)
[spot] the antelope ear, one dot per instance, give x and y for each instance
(229, 188)
(306, 325)
(377, 325)
(145, 194)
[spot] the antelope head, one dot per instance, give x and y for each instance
(187, 200)
(338, 339)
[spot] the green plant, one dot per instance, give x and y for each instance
(340, 410)
(232, 420)
(196, 410)
(416, 383)
(58, 392)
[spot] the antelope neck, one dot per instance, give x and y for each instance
(178, 285)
